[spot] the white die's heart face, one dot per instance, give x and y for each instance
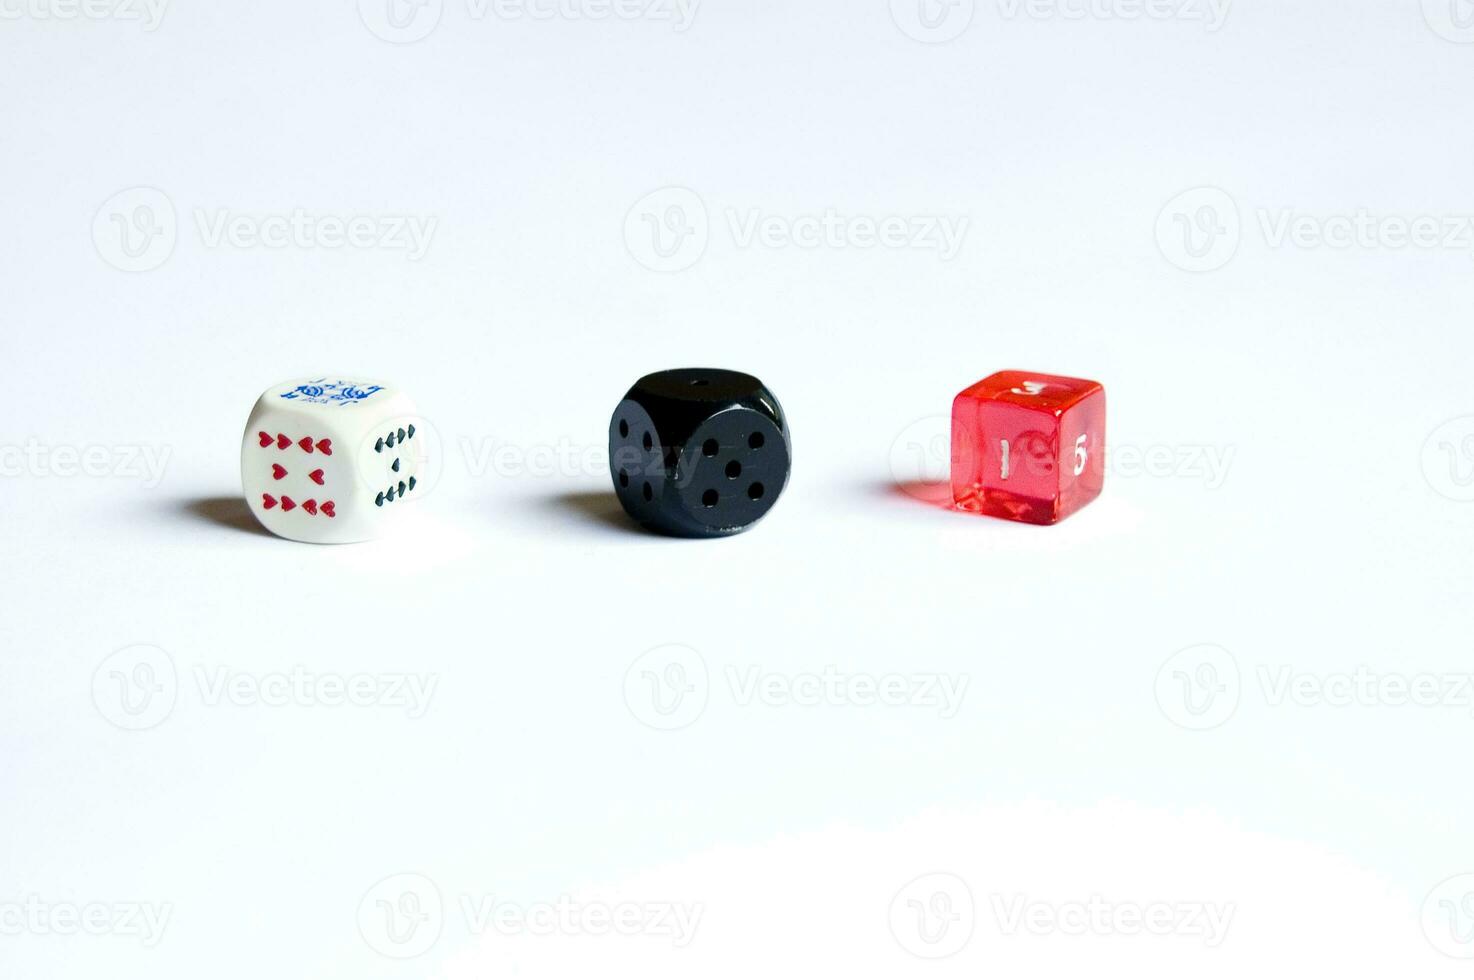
(309, 466)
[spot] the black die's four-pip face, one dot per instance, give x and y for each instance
(699, 452)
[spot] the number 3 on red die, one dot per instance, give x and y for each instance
(1028, 447)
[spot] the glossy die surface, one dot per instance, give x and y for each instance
(330, 460)
(1028, 447)
(699, 452)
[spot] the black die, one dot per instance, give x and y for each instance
(699, 452)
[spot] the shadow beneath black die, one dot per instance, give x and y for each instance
(228, 512)
(599, 508)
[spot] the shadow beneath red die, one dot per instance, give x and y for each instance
(925, 493)
(228, 512)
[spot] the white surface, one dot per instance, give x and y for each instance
(518, 306)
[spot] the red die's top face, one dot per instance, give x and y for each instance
(1027, 446)
(1038, 392)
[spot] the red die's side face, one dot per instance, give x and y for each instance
(1028, 447)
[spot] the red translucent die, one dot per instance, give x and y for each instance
(1028, 447)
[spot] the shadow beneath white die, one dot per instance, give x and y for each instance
(229, 512)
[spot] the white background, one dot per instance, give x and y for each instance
(1330, 549)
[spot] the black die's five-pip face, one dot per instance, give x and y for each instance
(699, 452)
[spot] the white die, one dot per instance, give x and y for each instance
(331, 460)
